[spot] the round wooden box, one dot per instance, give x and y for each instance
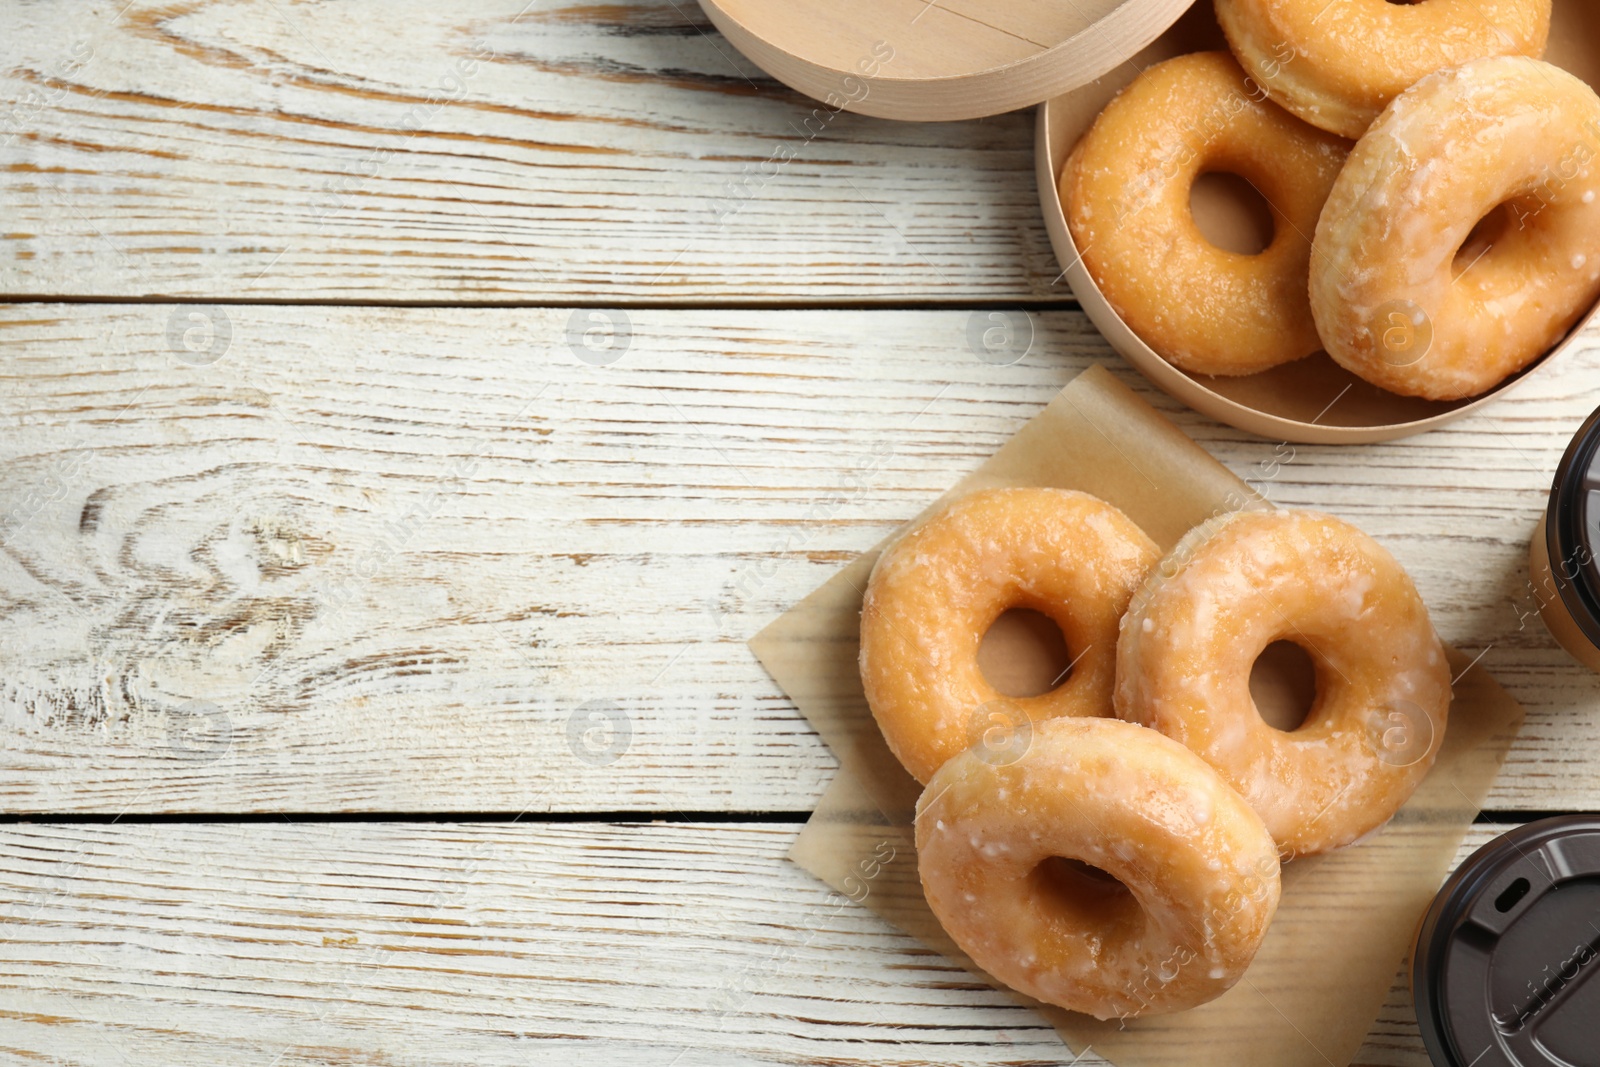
(952, 59)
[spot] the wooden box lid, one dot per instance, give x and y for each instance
(933, 60)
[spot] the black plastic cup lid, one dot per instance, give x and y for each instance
(1504, 968)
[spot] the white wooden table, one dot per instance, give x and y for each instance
(409, 414)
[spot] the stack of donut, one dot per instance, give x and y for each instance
(1113, 845)
(1452, 244)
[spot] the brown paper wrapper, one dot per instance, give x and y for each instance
(1345, 920)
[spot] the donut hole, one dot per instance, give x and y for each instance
(1283, 684)
(1024, 654)
(1491, 230)
(1231, 213)
(1083, 892)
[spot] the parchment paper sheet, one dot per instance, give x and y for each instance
(1345, 922)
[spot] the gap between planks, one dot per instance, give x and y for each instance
(625, 303)
(632, 816)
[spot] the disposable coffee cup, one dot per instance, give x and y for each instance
(1504, 968)
(1564, 573)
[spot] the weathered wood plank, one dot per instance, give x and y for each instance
(481, 945)
(424, 152)
(400, 559)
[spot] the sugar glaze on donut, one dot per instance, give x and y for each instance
(1235, 585)
(1336, 65)
(935, 592)
(1126, 188)
(1444, 154)
(1199, 873)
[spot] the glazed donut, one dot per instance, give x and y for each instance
(1198, 871)
(1337, 64)
(1394, 299)
(1238, 583)
(935, 592)
(1127, 185)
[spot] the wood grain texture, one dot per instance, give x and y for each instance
(428, 559)
(482, 945)
(368, 559)
(419, 151)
